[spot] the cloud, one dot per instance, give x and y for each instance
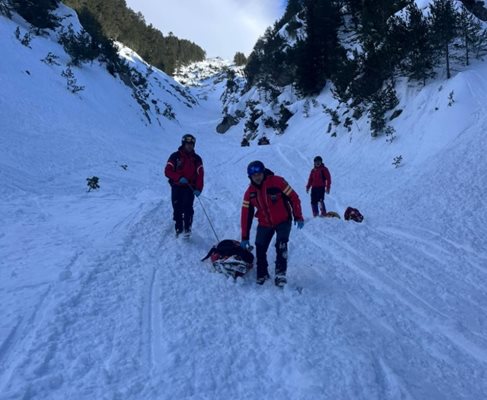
(221, 27)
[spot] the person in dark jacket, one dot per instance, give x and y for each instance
(186, 175)
(277, 204)
(319, 182)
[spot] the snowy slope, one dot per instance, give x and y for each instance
(195, 73)
(100, 301)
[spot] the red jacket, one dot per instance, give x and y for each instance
(188, 165)
(319, 177)
(276, 202)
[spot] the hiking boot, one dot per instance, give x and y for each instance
(280, 280)
(260, 281)
(178, 232)
(187, 233)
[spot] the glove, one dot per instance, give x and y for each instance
(183, 180)
(300, 224)
(328, 191)
(307, 190)
(196, 193)
(244, 244)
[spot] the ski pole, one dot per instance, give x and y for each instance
(207, 217)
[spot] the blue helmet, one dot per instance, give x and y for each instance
(255, 167)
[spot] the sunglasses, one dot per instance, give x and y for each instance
(189, 140)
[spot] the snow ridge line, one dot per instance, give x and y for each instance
(152, 324)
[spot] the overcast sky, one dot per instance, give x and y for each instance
(220, 27)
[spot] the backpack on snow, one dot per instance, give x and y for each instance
(353, 214)
(230, 259)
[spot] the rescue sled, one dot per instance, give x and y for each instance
(228, 258)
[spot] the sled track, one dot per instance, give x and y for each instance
(20, 337)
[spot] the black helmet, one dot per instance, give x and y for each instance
(318, 159)
(255, 167)
(188, 138)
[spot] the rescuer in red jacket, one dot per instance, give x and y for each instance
(277, 204)
(319, 181)
(185, 172)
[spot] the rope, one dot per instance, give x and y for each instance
(207, 217)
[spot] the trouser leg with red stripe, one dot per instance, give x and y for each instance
(262, 242)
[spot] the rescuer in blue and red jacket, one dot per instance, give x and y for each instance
(185, 172)
(277, 204)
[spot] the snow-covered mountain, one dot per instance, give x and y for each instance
(100, 301)
(211, 75)
(195, 74)
(264, 104)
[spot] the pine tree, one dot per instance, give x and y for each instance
(292, 8)
(444, 25)
(473, 37)
(106, 46)
(253, 69)
(284, 116)
(375, 66)
(251, 126)
(92, 183)
(382, 101)
(5, 8)
(354, 8)
(268, 65)
(80, 46)
(396, 39)
(239, 58)
(120, 23)
(382, 42)
(344, 72)
(37, 12)
(374, 17)
(316, 55)
(231, 86)
(476, 7)
(419, 60)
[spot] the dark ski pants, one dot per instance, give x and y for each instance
(182, 198)
(318, 199)
(262, 242)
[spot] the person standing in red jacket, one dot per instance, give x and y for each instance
(319, 181)
(277, 204)
(185, 172)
